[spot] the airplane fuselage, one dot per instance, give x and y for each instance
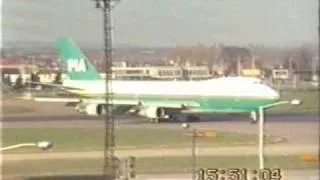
(221, 94)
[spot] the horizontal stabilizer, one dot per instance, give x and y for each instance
(120, 102)
(55, 85)
(39, 99)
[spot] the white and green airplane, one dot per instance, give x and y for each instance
(158, 100)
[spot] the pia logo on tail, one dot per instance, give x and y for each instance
(76, 65)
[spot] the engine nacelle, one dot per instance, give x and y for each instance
(152, 112)
(95, 109)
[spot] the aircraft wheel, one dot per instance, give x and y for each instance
(156, 120)
(173, 118)
(192, 118)
(196, 118)
(253, 121)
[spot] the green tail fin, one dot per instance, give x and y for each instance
(77, 65)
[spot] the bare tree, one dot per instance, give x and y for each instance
(304, 59)
(231, 55)
(57, 78)
(19, 83)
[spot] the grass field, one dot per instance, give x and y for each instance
(19, 107)
(80, 139)
(155, 165)
(309, 99)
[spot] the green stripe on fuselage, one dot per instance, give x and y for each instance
(206, 103)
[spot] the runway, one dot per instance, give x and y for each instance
(301, 129)
(224, 118)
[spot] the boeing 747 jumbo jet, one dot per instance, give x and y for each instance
(158, 100)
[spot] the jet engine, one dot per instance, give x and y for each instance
(153, 113)
(92, 109)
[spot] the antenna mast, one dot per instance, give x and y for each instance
(109, 170)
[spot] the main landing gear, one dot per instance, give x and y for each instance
(175, 118)
(155, 120)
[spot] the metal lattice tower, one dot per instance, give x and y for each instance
(109, 139)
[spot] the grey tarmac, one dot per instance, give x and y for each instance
(282, 149)
(297, 129)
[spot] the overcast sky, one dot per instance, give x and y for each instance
(165, 22)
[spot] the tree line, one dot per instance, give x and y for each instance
(31, 82)
(296, 57)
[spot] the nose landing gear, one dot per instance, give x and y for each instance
(253, 117)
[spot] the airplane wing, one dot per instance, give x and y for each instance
(55, 85)
(67, 100)
(81, 96)
(70, 100)
(168, 104)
